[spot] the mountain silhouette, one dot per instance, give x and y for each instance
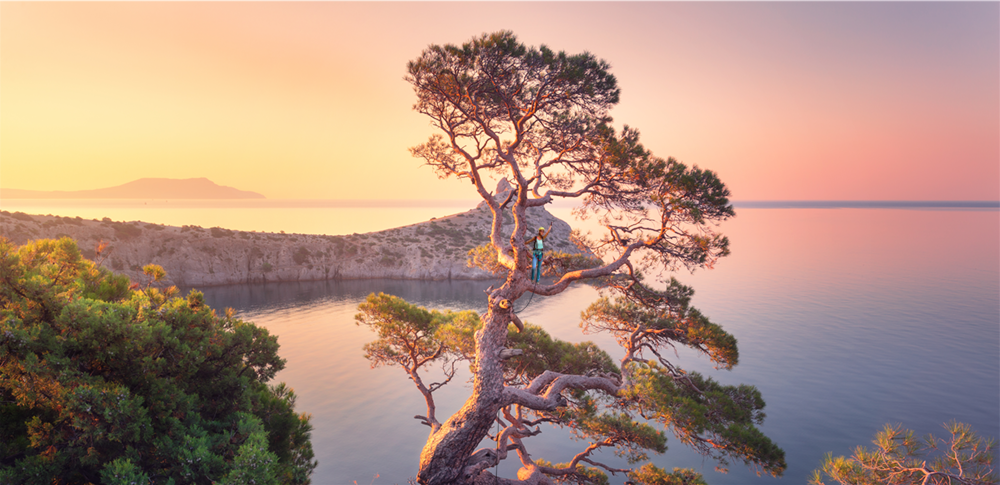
(144, 188)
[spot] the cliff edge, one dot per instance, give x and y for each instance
(196, 256)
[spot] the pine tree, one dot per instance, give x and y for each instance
(539, 120)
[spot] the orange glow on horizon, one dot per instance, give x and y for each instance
(850, 101)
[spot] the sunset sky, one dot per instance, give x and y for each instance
(786, 101)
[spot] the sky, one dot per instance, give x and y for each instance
(784, 100)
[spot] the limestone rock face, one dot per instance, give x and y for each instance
(195, 256)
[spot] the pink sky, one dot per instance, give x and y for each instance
(786, 101)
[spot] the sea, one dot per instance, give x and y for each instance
(849, 316)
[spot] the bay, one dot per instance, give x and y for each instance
(847, 319)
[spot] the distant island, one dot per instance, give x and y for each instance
(144, 188)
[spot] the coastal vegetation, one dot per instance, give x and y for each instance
(108, 380)
(899, 458)
(538, 120)
(198, 257)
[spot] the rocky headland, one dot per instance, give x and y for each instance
(196, 256)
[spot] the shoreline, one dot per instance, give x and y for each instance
(194, 256)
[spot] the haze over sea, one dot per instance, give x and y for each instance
(847, 319)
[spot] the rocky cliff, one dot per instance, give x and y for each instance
(195, 256)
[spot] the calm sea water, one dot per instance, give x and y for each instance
(847, 319)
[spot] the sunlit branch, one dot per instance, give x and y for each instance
(449, 374)
(592, 273)
(553, 383)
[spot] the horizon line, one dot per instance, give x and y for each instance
(747, 203)
(867, 204)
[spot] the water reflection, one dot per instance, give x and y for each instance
(255, 299)
(846, 319)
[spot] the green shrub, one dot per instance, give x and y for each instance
(128, 383)
(301, 255)
(900, 458)
(220, 232)
(126, 231)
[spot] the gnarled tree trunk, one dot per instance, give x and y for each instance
(449, 448)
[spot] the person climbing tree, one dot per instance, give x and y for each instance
(537, 245)
(540, 119)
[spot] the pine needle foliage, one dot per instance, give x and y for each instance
(539, 119)
(900, 458)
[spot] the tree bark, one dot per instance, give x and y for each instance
(450, 446)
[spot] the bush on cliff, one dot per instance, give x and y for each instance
(105, 381)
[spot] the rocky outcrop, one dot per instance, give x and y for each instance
(195, 256)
